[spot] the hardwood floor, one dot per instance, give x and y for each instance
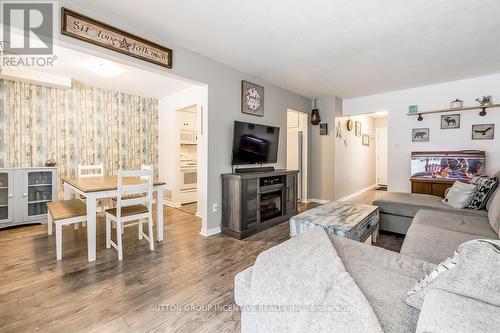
(173, 289)
(190, 208)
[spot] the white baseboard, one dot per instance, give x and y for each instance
(210, 232)
(320, 201)
(350, 196)
(171, 203)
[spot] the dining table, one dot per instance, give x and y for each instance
(102, 187)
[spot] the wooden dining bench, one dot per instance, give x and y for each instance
(64, 212)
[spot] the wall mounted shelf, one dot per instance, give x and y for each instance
(467, 108)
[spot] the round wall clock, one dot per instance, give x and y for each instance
(349, 124)
(252, 99)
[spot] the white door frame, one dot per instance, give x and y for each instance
(305, 152)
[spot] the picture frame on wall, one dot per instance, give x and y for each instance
(357, 128)
(420, 135)
(252, 98)
(365, 140)
(483, 132)
(450, 121)
(323, 129)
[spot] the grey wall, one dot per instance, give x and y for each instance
(322, 151)
(224, 88)
(354, 163)
(432, 97)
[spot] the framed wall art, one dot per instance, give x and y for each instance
(420, 135)
(365, 140)
(252, 99)
(323, 129)
(450, 121)
(92, 31)
(357, 129)
(483, 132)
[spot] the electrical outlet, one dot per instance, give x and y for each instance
(215, 207)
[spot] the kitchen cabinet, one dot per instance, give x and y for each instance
(187, 121)
(24, 193)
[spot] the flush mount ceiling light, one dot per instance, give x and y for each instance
(104, 68)
(380, 114)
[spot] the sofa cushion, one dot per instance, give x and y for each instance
(446, 312)
(433, 244)
(473, 271)
(384, 277)
(408, 204)
(474, 225)
(242, 285)
(434, 236)
(485, 186)
(494, 212)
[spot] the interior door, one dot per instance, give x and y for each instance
(381, 155)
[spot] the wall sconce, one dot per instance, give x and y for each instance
(315, 118)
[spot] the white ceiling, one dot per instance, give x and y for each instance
(325, 47)
(131, 80)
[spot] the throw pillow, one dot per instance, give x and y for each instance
(472, 272)
(485, 186)
(494, 211)
(460, 195)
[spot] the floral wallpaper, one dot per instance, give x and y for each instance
(83, 124)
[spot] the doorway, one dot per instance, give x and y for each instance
(297, 149)
(171, 93)
(381, 155)
(186, 165)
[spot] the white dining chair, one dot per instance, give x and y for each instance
(90, 170)
(133, 203)
(143, 167)
(96, 170)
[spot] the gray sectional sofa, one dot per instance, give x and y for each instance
(433, 233)
(434, 230)
(397, 210)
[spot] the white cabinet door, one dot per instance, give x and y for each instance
(6, 196)
(192, 121)
(37, 192)
(187, 120)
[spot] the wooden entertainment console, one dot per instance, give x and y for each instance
(252, 202)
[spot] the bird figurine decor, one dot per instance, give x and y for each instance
(484, 101)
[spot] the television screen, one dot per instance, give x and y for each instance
(254, 143)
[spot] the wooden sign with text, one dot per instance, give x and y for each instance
(87, 29)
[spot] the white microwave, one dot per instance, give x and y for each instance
(188, 137)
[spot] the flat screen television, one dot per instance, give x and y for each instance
(255, 143)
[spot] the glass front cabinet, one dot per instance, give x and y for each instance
(24, 194)
(6, 196)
